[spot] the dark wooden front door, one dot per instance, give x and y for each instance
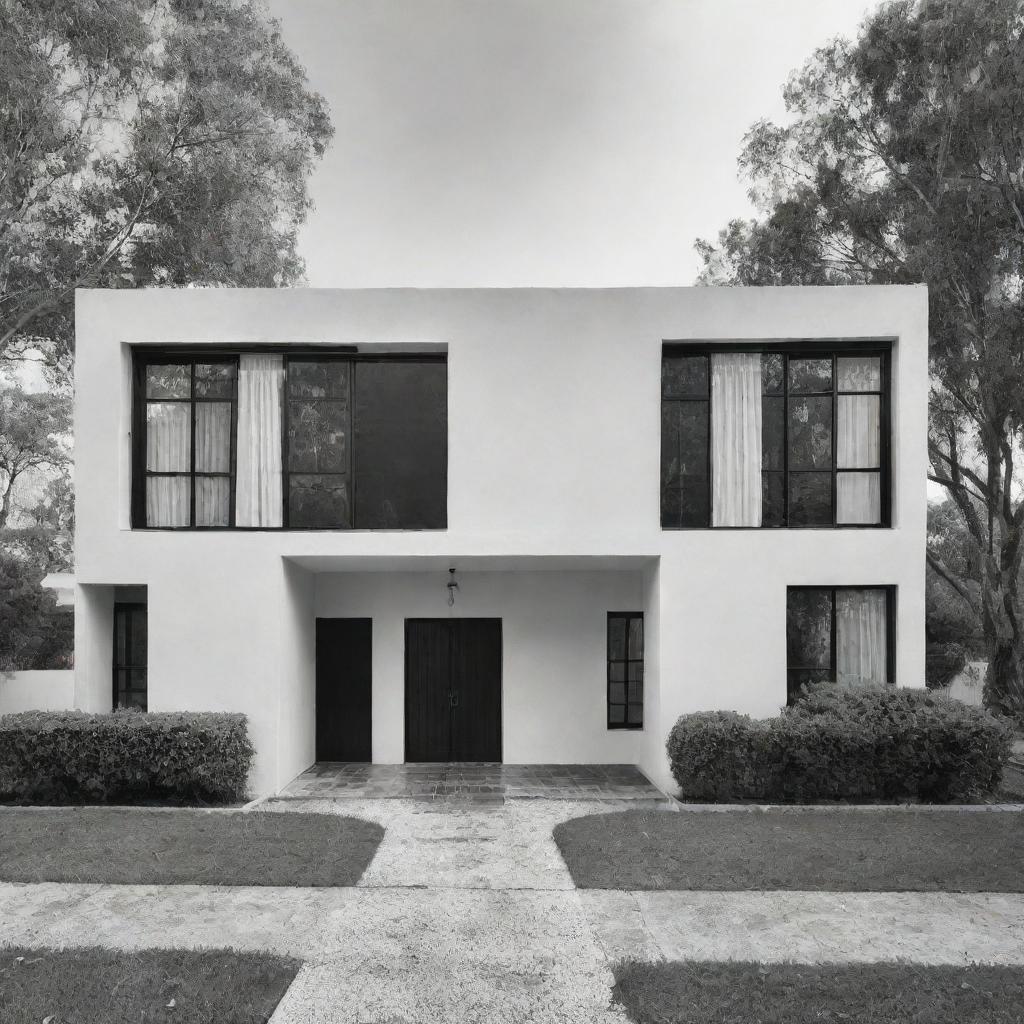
(453, 689)
(343, 689)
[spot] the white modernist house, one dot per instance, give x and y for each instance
(521, 525)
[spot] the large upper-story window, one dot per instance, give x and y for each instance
(271, 440)
(787, 436)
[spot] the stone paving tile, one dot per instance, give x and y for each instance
(809, 927)
(473, 783)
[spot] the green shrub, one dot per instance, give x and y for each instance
(876, 745)
(124, 757)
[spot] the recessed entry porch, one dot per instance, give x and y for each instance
(531, 660)
(472, 783)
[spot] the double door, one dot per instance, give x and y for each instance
(453, 690)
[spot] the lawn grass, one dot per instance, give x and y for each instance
(158, 986)
(179, 847)
(750, 993)
(853, 851)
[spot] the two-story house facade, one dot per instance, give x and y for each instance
(654, 501)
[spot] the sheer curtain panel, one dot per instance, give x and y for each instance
(736, 439)
(258, 484)
(168, 450)
(861, 624)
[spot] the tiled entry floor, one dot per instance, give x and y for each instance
(472, 782)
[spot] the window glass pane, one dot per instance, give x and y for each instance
(773, 432)
(137, 636)
(120, 636)
(318, 501)
(693, 438)
(773, 379)
(167, 500)
(810, 433)
(694, 501)
(859, 498)
(215, 380)
(798, 678)
(684, 376)
(134, 699)
(861, 641)
(401, 445)
(810, 499)
(859, 373)
(616, 714)
(169, 437)
(318, 434)
(213, 437)
(636, 637)
(617, 671)
(617, 693)
(857, 435)
(213, 500)
(636, 690)
(809, 629)
(635, 715)
(807, 375)
(773, 505)
(172, 380)
(326, 378)
(684, 464)
(616, 637)
(635, 670)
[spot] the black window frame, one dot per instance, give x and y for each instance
(831, 589)
(128, 607)
(626, 618)
(140, 400)
(143, 356)
(790, 350)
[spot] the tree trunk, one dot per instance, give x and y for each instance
(1004, 680)
(5, 501)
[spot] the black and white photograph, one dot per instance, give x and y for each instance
(511, 511)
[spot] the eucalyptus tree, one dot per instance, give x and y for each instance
(902, 160)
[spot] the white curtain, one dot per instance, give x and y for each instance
(167, 500)
(736, 439)
(258, 481)
(858, 497)
(857, 438)
(168, 450)
(860, 637)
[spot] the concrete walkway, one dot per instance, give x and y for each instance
(468, 914)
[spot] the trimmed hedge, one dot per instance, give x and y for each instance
(867, 746)
(124, 757)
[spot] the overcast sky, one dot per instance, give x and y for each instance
(538, 142)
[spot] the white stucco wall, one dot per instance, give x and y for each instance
(37, 690)
(554, 441)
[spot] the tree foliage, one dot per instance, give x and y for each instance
(145, 142)
(34, 432)
(903, 161)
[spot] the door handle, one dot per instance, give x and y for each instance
(453, 698)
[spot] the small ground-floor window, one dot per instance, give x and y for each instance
(130, 643)
(625, 670)
(839, 634)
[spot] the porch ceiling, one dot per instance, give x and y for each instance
(471, 563)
